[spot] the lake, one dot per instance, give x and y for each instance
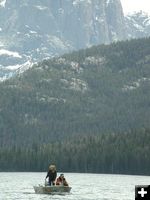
(19, 186)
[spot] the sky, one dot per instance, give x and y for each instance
(135, 5)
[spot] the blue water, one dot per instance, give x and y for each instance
(19, 186)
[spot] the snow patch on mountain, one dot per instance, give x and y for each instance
(108, 2)
(2, 3)
(41, 8)
(10, 53)
(21, 68)
(75, 2)
(11, 70)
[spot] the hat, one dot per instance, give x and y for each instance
(61, 174)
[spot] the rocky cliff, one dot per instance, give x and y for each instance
(36, 29)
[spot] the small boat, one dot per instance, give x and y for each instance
(55, 189)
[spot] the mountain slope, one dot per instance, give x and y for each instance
(138, 25)
(37, 29)
(101, 89)
(87, 112)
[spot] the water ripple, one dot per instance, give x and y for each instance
(19, 186)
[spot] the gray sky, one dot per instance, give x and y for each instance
(135, 5)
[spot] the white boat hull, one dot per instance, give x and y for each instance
(51, 189)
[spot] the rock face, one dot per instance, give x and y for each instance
(36, 29)
(31, 30)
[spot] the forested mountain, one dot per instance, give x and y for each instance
(91, 107)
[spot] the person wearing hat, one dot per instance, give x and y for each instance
(51, 174)
(61, 180)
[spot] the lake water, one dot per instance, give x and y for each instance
(19, 186)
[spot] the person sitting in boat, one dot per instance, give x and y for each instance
(51, 174)
(61, 180)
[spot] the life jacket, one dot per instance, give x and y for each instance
(61, 181)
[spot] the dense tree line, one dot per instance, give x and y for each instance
(126, 153)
